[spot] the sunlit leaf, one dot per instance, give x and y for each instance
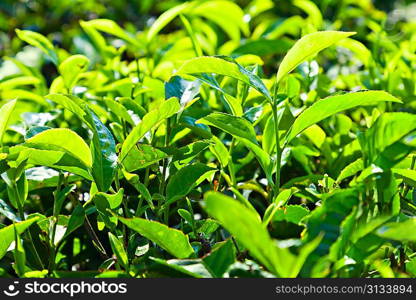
(307, 47)
(171, 240)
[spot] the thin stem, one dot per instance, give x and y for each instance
(53, 247)
(188, 201)
(165, 161)
(27, 233)
(90, 230)
(164, 171)
(126, 213)
(278, 151)
(96, 241)
(231, 164)
(407, 187)
(146, 177)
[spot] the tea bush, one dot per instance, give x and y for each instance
(208, 139)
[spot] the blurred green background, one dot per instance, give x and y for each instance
(53, 18)
(59, 21)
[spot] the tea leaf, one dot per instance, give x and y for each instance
(222, 66)
(37, 40)
(103, 149)
(7, 233)
(182, 182)
(61, 139)
(72, 67)
(76, 220)
(171, 240)
(118, 250)
(5, 112)
(165, 18)
(245, 226)
(402, 231)
(335, 104)
(167, 109)
(307, 47)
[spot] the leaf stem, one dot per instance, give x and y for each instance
(164, 171)
(231, 164)
(278, 150)
(53, 248)
(27, 233)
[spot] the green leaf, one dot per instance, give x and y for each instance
(184, 180)
(5, 113)
(19, 255)
(411, 266)
(291, 264)
(383, 143)
(14, 82)
(71, 103)
(111, 27)
(133, 179)
(220, 258)
(35, 130)
(236, 126)
(7, 233)
(187, 216)
(118, 250)
(117, 109)
(226, 14)
(7, 211)
(223, 66)
(184, 90)
(245, 226)
(103, 149)
(403, 231)
(316, 135)
(76, 220)
(188, 267)
(327, 220)
(409, 176)
(105, 202)
(285, 120)
(335, 104)
(191, 33)
(60, 198)
(278, 202)
(165, 19)
(307, 47)
(291, 213)
(358, 48)
(39, 41)
(57, 159)
(62, 139)
(142, 156)
(172, 240)
(232, 104)
(339, 247)
(71, 68)
(241, 129)
(188, 152)
(309, 7)
(167, 109)
(351, 169)
(220, 151)
(111, 201)
(18, 190)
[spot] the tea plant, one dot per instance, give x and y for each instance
(220, 140)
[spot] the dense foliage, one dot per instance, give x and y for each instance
(207, 139)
